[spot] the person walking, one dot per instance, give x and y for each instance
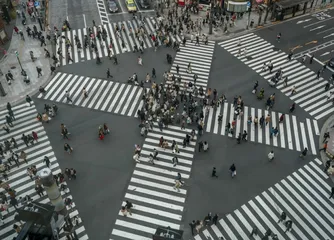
(303, 153)
(268, 119)
(68, 98)
(282, 218)
(11, 114)
(281, 118)
(324, 147)
(140, 61)
(244, 136)
(39, 71)
(46, 160)
(332, 193)
(239, 138)
(154, 73)
(68, 148)
(326, 135)
(288, 225)
(327, 165)
(128, 206)
(108, 73)
(23, 156)
(9, 121)
(233, 170)
(35, 136)
(214, 173)
(84, 93)
(192, 227)
(215, 219)
(271, 156)
(28, 100)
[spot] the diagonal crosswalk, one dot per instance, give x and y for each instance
(156, 202)
(103, 95)
(128, 37)
(310, 95)
(18, 179)
(292, 134)
(303, 196)
(200, 58)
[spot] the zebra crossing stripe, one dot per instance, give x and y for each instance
(151, 189)
(103, 95)
(128, 37)
(26, 122)
(303, 195)
(310, 94)
(290, 133)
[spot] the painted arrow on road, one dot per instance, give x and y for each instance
(302, 21)
(332, 34)
(317, 28)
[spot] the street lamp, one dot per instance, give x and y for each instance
(18, 59)
(211, 17)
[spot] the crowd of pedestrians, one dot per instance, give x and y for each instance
(11, 156)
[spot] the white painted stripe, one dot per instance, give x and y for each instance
(267, 130)
(296, 135)
(227, 229)
(156, 194)
(160, 170)
(302, 129)
(155, 185)
(151, 220)
(279, 211)
(238, 125)
(105, 92)
(264, 218)
(317, 169)
(208, 124)
(310, 134)
(135, 226)
(302, 212)
(259, 129)
(317, 177)
(215, 129)
(237, 227)
(253, 218)
(288, 130)
(252, 128)
(245, 127)
(281, 131)
(274, 124)
(97, 96)
(216, 230)
(128, 235)
(246, 224)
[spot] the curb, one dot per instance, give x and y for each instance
(325, 128)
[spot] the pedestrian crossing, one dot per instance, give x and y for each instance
(303, 196)
(103, 95)
(292, 134)
(310, 91)
(200, 57)
(155, 201)
(128, 36)
(18, 179)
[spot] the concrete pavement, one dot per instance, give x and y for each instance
(327, 127)
(19, 89)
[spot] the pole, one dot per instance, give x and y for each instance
(52, 190)
(18, 59)
(211, 18)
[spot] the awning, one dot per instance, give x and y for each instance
(290, 3)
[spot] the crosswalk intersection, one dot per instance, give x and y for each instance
(303, 196)
(18, 179)
(200, 57)
(293, 134)
(128, 36)
(156, 202)
(310, 91)
(103, 95)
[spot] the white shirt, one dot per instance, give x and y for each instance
(271, 155)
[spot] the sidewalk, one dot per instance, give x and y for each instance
(327, 127)
(19, 89)
(241, 23)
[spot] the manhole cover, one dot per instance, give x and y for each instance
(276, 49)
(12, 67)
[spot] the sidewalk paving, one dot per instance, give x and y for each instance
(19, 89)
(327, 127)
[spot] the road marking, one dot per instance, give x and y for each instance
(321, 63)
(313, 29)
(120, 5)
(302, 21)
(84, 17)
(325, 30)
(311, 42)
(324, 54)
(120, 13)
(332, 34)
(318, 22)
